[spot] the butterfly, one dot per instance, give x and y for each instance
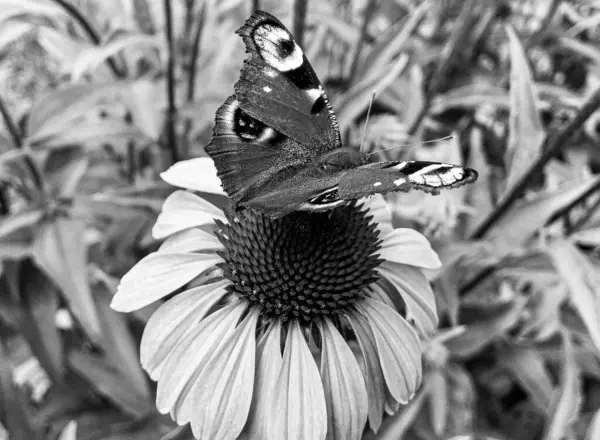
(276, 142)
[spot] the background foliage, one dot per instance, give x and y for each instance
(99, 97)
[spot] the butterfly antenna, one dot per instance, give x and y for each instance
(445, 138)
(362, 141)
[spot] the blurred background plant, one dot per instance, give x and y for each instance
(99, 97)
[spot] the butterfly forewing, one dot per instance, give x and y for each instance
(279, 87)
(381, 178)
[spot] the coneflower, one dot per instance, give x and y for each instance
(305, 327)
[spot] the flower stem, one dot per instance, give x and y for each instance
(255, 5)
(299, 17)
(171, 109)
(551, 146)
(12, 128)
(90, 31)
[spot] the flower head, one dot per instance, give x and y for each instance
(297, 327)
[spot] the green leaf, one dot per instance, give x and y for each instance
(438, 401)
(527, 216)
(120, 346)
(69, 432)
(357, 98)
(109, 382)
(480, 334)
(394, 43)
(565, 408)
(593, 431)
(59, 112)
(40, 303)
(582, 280)
(61, 47)
(528, 367)
(16, 223)
(63, 170)
(14, 411)
(525, 126)
(13, 30)
(60, 250)
(148, 116)
(92, 58)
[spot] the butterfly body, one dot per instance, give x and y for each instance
(276, 143)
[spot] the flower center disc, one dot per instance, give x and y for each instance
(302, 265)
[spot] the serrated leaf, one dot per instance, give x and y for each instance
(60, 250)
(583, 282)
(527, 216)
(120, 347)
(565, 409)
(529, 369)
(109, 382)
(525, 126)
(40, 303)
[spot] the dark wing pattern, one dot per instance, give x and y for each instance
(384, 177)
(249, 155)
(279, 87)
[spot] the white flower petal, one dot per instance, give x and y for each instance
(221, 397)
(268, 364)
(373, 375)
(345, 391)
(416, 293)
(190, 240)
(381, 213)
(157, 275)
(298, 409)
(398, 346)
(187, 360)
(198, 174)
(407, 246)
(184, 210)
(173, 320)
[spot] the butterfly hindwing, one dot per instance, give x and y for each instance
(279, 87)
(250, 156)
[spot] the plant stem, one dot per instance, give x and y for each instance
(90, 31)
(255, 5)
(370, 9)
(171, 109)
(191, 78)
(456, 45)
(197, 39)
(551, 146)
(12, 128)
(299, 17)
